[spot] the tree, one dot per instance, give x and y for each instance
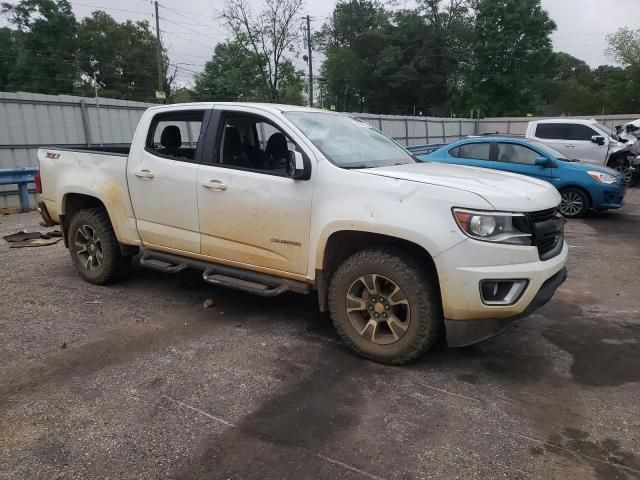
(46, 45)
(8, 56)
(267, 36)
(511, 51)
(234, 74)
(624, 46)
(123, 56)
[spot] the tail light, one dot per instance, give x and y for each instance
(38, 181)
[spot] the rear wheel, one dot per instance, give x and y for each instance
(384, 306)
(575, 203)
(94, 248)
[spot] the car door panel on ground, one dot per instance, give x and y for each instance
(162, 182)
(250, 212)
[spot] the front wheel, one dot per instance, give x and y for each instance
(574, 204)
(94, 248)
(385, 306)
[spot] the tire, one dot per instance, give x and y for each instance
(623, 166)
(94, 248)
(413, 313)
(575, 202)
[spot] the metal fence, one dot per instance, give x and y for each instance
(29, 121)
(420, 130)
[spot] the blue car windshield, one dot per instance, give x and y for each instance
(348, 142)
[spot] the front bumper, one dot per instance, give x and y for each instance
(462, 268)
(608, 196)
(461, 333)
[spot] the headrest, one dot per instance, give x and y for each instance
(171, 137)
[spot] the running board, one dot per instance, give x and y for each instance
(222, 275)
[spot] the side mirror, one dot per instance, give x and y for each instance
(295, 166)
(598, 139)
(544, 162)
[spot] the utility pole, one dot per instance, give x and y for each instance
(93, 64)
(159, 58)
(309, 50)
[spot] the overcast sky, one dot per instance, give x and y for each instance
(191, 27)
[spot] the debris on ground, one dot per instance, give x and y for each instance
(36, 242)
(33, 239)
(208, 303)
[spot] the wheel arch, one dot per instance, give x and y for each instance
(578, 187)
(74, 202)
(343, 243)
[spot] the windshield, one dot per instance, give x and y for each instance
(606, 130)
(547, 148)
(348, 142)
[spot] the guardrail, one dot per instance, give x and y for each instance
(21, 177)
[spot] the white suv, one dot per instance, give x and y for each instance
(587, 141)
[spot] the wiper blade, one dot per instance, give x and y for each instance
(355, 167)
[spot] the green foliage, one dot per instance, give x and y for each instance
(50, 52)
(45, 46)
(234, 74)
(510, 53)
(122, 54)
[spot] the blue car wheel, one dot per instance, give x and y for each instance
(575, 203)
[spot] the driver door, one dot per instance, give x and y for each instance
(250, 212)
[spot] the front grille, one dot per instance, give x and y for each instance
(547, 228)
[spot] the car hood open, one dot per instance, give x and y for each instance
(505, 191)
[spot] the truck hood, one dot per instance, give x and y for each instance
(505, 191)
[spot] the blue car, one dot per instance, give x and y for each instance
(582, 186)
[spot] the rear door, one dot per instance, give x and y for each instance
(162, 181)
(251, 213)
(476, 154)
(517, 158)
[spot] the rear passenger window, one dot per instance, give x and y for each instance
(557, 131)
(512, 153)
(175, 135)
(477, 151)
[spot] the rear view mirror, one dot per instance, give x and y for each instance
(598, 139)
(295, 166)
(544, 162)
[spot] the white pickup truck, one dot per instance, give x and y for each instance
(269, 198)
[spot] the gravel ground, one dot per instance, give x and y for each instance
(138, 380)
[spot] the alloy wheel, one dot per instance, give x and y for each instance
(378, 309)
(89, 248)
(572, 204)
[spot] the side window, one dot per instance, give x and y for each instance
(581, 132)
(511, 153)
(175, 135)
(477, 151)
(254, 144)
(455, 152)
(553, 131)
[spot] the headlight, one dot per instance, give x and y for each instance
(602, 177)
(496, 227)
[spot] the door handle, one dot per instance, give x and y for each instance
(144, 174)
(215, 185)
(570, 146)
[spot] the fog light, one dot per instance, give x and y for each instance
(501, 292)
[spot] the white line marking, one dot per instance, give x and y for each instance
(201, 412)
(319, 455)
